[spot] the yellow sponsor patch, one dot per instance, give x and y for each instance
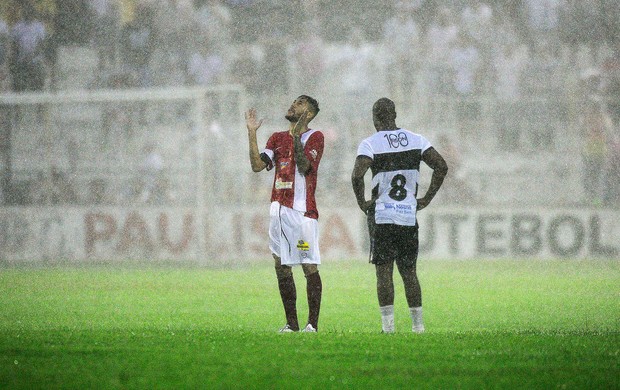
(303, 246)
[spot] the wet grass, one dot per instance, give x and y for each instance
(490, 324)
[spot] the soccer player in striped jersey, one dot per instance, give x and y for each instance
(393, 155)
(293, 227)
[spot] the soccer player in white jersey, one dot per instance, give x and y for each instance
(393, 155)
(293, 228)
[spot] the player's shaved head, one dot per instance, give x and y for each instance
(384, 109)
(384, 114)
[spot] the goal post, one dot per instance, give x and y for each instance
(120, 150)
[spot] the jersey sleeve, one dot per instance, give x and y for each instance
(365, 149)
(424, 144)
(314, 149)
(268, 153)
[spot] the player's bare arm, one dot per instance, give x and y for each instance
(362, 164)
(435, 161)
(301, 160)
(252, 123)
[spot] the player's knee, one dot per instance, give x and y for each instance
(408, 272)
(384, 271)
(309, 269)
(282, 271)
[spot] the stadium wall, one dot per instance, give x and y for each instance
(49, 235)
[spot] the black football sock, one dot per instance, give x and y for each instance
(288, 293)
(314, 289)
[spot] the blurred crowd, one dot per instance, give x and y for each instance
(461, 50)
(462, 46)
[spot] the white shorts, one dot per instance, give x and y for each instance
(293, 237)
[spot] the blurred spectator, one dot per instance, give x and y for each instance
(106, 30)
(504, 31)
(154, 188)
(455, 188)
(357, 68)
(213, 19)
(72, 26)
(477, 21)
(242, 11)
(206, 66)
(581, 24)
(590, 85)
(5, 154)
(465, 62)
(275, 72)
(27, 65)
(245, 69)
(509, 66)
(97, 192)
(309, 63)
(543, 83)
(611, 197)
(440, 37)
(312, 15)
(423, 11)
(117, 117)
(543, 19)
(611, 82)
(137, 44)
(610, 11)
(73, 23)
(174, 33)
(596, 127)
(53, 188)
(401, 39)
(5, 45)
(334, 179)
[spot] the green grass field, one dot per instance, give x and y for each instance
(490, 324)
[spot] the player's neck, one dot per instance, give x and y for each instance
(388, 127)
(290, 130)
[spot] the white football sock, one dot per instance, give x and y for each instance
(387, 318)
(416, 318)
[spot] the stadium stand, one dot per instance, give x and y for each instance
(100, 144)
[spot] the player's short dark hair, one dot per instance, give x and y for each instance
(384, 109)
(313, 102)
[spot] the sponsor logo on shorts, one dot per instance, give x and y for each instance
(303, 246)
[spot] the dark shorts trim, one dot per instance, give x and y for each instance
(393, 243)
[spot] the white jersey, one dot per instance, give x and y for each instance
(396, 156)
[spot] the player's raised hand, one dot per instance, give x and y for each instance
(251, 120)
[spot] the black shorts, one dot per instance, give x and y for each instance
(389, 243)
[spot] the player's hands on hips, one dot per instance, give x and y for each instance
(367, 205)
(422, 203)
(251, 121)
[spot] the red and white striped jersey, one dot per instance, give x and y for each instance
(290, 188)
